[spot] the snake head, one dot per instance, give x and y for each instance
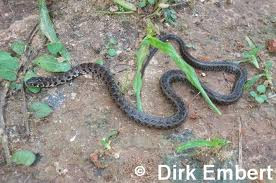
(35, 81)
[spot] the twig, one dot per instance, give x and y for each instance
(272, 96)
(3, 135)
(240, 142)
(178, 4)
(25, 58)
(115, 12)
(193, 99)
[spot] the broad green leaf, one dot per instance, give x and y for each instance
(18, 47)
(112, 52)
(29, 74)
(8, 66)
(264, 97)
(47, 27)
(151, 2)
(253, 93)
(101, 62)
(212, 143)
(141, 55)
(142, 3)
(125, 4)
(15, 86)
(24, 157)
(261, 89)
(51, 64)
(55, 47)
(249, 83)
(65, 54)
(190, 73)
(260, 99)
(40, 110)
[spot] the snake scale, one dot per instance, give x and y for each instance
(166, 82)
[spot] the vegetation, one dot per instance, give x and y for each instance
(216, 143)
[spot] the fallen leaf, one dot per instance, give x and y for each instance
(271, 45)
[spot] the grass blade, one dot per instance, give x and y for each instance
(125, 4)
(168, 49)
(141, 55)
(212, 143)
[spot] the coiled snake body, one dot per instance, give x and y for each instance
(165, 82)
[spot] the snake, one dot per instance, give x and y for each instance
(166, 84)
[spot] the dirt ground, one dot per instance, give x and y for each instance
(84, 113)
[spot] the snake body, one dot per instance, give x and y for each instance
(166, 82)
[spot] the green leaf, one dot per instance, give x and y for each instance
(252, 55)
(55, 47)
(47, 28)
(212, 143)
(24, 157)
(170, 16)
(151, 2)
(254, 61)
(264, 97)
(30, 74)
(8, 66)
(260, 99)
(15, 86)
(142, 3)
(151, 29)
(267, 71)
(18, 47)
(46, 25)
(250, 42)
(253, 93)
(112, 52)
(141, 55)
(50, 64)
(190, 73)
(249, 83)
(41, 110)
(261, 89)
(125, 4)
(113, 41)
(101, 62)
(106, 141)
(268, 65)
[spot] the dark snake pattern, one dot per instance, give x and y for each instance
(166, 82)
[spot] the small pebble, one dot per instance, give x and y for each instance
(73, 96)
(113, 8)
(116, 155)
(229, 2)
(203, 74)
